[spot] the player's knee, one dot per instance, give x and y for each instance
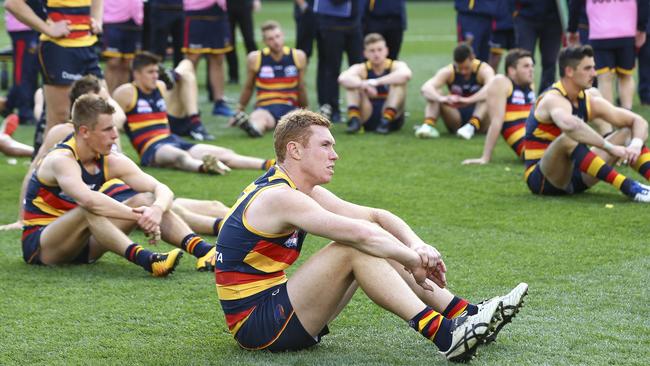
(141, 199)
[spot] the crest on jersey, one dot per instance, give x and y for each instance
(518, 97)
(290, 70)
(266, 71)
(143, 106)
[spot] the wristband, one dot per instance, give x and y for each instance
(608, 145)
(636, 142)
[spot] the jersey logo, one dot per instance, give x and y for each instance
(160, 104)
(290, 71)
(143, 107)
(266, 72)
(518, 97)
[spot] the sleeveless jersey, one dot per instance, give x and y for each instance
(382, 90)
(146, 119)
(77, 12)
(465, 87)
(251, 263)
(518, 106)
(45, 203)
(540, 134)
(277, 81)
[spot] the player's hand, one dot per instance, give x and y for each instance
(631, 154)
(58, 29)
(639, 39)
(433, 264)
(479, 161)
(13, 226)
(573, 39)
(438, 276)
(153, 236)
(420, 276)
(369, 88)
(96, 27)
(150, 217)
(452, 99)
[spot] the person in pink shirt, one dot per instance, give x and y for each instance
(121, 39)
(24, 42)
(207, 32)
(616, 29)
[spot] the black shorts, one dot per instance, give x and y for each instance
(207, 31)
(65, 65)
(121, 40)
(149, 155)
(273, 325)
(502, 40)
(31, 242)
(539, 184)
(614, 55)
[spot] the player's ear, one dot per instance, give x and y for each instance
(83, 130)
(294, 150)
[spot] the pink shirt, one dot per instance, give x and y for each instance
(616, 19)
(13, 25)
(203, 4)
(119, 11)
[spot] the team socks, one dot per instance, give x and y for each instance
(195, 121)
(430, 121)
(195, 245)
(475, 121)
(267, 164)
(353, 112)
(389, 114)
(432, 325)
(457, 306)
(642, 164)
(592, 164)
(140, 256)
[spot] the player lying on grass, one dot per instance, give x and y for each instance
(372, 249)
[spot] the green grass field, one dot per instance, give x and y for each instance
(588, 265)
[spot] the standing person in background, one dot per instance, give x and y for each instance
(208, 33)
(66, 50)
(240, 12)
(614, 42)
(303, 14)
(503, 34)
(339, 29)
(166, 19)
(388, 18)
(24, 43)
(121, 39)
(644, 70)
(474, 24)
(534, 21)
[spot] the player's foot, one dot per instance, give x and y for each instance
(241, 120)
(510, 305)
(220, 108)
(199, 133)
(9, 124)
(165, 263)
(468, 332)
(384, 127)
(354, 125)
(212, 165)
(641, 192)
(207, 262)
(426, 131)
(466, 131)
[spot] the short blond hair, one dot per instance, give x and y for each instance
(295, 126)
(371, 38)
(86, 110)
(270, 25)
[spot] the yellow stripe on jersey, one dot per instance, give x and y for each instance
(276, 85)
(513, 116)
(236, 292)
(263, 263)
(151, 141)
(516, 136)
(134, 126)
(44, 221)
(84, 41)
(254, 230)
(43, 206)
(68, 3)
(532, 154)
(543, 135)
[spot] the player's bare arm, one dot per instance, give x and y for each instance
(484, 77)
(498, 90)
(26, 15)
(432, 88)
(301, 58)
(249, 84)
(400, 73)
(353, 77)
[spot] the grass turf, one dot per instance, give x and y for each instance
(588, 265)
